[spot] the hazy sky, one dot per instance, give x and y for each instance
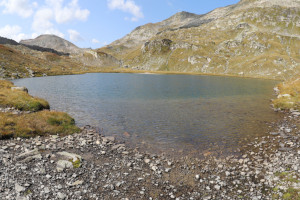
(90, 23)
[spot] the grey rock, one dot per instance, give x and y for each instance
(46, 190)
(61, 195)
(19, 188)
(118, 146)
(63, 164)
(27, 154)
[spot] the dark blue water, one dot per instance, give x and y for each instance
(180, 112)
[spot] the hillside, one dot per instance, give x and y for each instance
(253, 38)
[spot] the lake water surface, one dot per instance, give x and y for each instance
(164, 113)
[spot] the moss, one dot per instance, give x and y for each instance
(291, 194)
(28, 192)
(76, 164)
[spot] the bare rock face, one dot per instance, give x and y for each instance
(53, 42)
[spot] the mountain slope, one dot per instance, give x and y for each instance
(143, 33)
(253, 38)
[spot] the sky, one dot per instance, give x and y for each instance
(91, 23)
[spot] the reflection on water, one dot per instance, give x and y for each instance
(180, 112)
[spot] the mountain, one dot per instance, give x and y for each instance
(37, 58)
(85, 56)
(53, 42)
(253, 38)
(143, 33)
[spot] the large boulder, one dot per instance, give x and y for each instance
(24, 89)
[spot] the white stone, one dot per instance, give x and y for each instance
(217, 187)
(69, 156)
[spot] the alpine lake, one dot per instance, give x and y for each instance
(172, 114)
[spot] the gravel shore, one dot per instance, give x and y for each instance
(88, 165)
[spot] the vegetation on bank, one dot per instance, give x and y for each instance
(40, 122)
(289, 95)
(20, 100)
(289, 178)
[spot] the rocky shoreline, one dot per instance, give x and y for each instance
(88, 165)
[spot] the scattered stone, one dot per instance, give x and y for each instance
(122, 174)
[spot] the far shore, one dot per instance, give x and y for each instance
(147, 72)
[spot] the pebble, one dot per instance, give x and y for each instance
(61, 195)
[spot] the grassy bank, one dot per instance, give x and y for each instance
(289, 95)
(40, 122)
(20, 100)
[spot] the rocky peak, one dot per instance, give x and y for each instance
(182, 16)
(53, 42)
(179, 19)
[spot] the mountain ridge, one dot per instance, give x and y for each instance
(255, 38)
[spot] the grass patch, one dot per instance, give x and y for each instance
(39, 123)
(19, 99)
(287, 176)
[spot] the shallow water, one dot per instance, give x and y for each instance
(164, 113)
